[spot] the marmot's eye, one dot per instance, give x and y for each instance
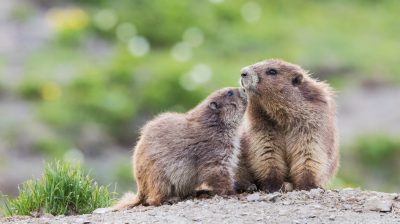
(272, 71)
(230, 93)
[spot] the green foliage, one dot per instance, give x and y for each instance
(21, 13)
(52, 147)
(122, 174)
(378, 150)
(64, 189)
(375, 155)
(71, 80)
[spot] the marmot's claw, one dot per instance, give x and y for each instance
(247, 187)
(252, 188)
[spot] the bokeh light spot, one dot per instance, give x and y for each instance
(70, 19)
(198, 75)
(138, 46)
(181, 52)
(125, 31)
(74, 156)
(251, 12)
(51, 91)
(193, 36)
(201, 73)
(216, 1)
(105, 19)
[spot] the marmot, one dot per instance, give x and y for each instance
(178, 154)
(289, 129)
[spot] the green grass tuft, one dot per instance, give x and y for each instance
(64, 189)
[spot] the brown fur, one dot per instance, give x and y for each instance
(289, 129)
(179, 154)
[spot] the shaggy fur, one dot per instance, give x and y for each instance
(179, 154)
(289, 132)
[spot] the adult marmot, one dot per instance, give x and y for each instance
(289, 129)
(178, 154)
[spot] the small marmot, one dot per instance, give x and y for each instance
(178, 154)
(289, 129)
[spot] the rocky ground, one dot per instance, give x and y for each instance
(315, 206)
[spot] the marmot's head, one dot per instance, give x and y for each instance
(223, 107)
(282, 89)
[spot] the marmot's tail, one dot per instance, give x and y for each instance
(129, 200)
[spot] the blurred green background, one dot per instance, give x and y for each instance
(79, 78)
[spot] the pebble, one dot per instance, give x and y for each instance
(332, 217)
(287, 203)
(358, 209)
(316, 192)
(346, 206)
(288, 186)
(283, 212)
(316, 206)
(102, 210)
(379, 204)
(48, 215)
(82, 220)
(273, 197)
(253, 197)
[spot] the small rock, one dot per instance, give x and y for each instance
(286, 203)
(48, 215)
(348, 192)
(283, 212)
(358, 209)
(189, 202)
(316, 192)
(253, 197)
(102, 210)
(379, 204)
(288, 186)
(332, 217)
(273, 197)
(81, 220)
(346, 206)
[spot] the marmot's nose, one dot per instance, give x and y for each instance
(244, 74)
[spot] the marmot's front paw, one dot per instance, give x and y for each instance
(271, 185)
(241, 187)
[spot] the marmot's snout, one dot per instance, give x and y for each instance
(249, 78)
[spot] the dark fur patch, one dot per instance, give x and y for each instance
(273, 182)
(307, 181)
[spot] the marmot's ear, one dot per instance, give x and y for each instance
(297, 80)
(213, 105)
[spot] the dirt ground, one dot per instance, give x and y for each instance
(315, 206)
